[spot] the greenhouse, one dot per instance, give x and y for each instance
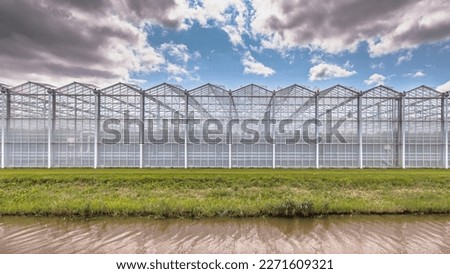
(81, 125)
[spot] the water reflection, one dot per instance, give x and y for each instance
(337, 234)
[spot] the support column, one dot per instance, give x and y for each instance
(231, 139)
(229, 156)
(401, 130)
(444, 129)
(360, 139)
(51, 125)
(141, 130)
(97, 126)
(186, 127)
(4, 127)
(158, 114)
(273, 132)
(316, 116)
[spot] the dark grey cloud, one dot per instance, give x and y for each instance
(154, 9)
(85, 5)
(50, 69)
(30, 30)
(321, 19)
(340, 25)
(77, 39)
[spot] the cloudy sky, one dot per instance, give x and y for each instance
(273, 43)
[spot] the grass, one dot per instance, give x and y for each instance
(197, 193)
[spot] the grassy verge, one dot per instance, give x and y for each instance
(174, 193)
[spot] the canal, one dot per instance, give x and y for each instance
(333, 234)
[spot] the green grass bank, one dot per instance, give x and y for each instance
(198, 193)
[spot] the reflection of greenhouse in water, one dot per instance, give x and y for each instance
(46, 126)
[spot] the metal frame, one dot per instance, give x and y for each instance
(50, 127)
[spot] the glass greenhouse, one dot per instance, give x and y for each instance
(81, 125)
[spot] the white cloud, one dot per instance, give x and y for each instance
(177, 79)
(416, 74)
(178, 61)
(251, 66)
(377, 66)
(404, 58)
(316, 59)
(376, 79)
(234, 35)
(179, 51)
(444, 87)
(324, 71)
(257, 49)
(214, 10)
(229, 15)
(419, 74)
(174, 69)
(348, 65)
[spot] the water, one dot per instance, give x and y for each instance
(338, 234)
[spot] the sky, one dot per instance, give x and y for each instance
(272, 43)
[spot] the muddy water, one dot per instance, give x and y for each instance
(357, 234)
